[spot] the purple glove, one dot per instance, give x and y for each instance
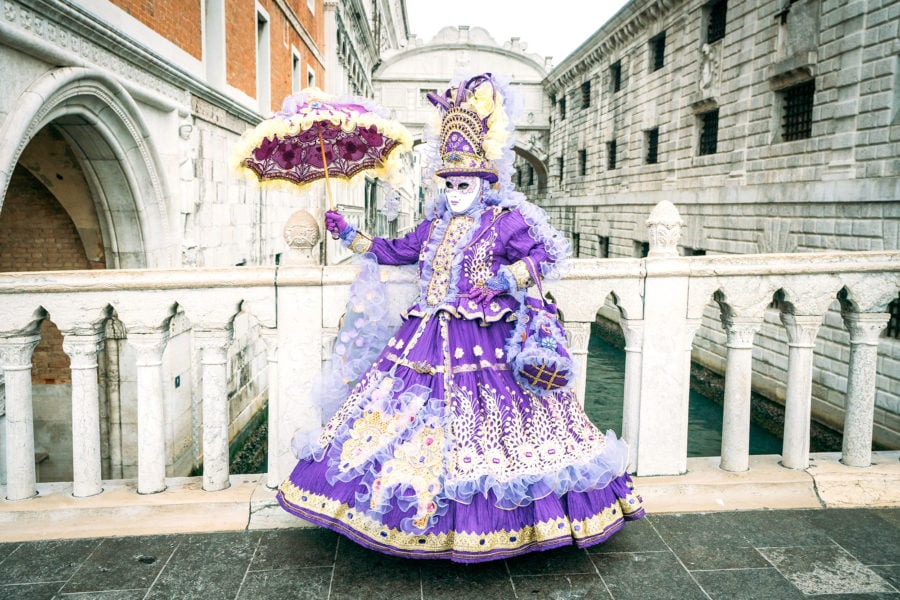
(335, 223)
(483, 295)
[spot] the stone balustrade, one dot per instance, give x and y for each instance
(660, 300)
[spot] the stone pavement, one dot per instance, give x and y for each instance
(773, 555)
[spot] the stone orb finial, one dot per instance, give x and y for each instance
(665, 227)
(302, 235)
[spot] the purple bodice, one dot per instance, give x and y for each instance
(456, 253)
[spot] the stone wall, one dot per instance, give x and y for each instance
(836, 188)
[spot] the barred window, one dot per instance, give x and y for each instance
(530, 175)
(518, 177)
(611, 154)
(652, 139)
(603, 250)
(562, 109)
(796, 117)
(585, 94)
(715, 27)
(893, 327)
(658, 51)
(582, 162)
(615, 76)
(709, 131)
(560, 166)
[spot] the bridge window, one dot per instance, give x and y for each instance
(585, 94)
(797, 106)
(893, 327)
(709, 131)
(658, 51)
(715, 20)
(611, 155)
(651, 140)
(582, 162)
(615, 76)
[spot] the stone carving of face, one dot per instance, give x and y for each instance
(461, 192)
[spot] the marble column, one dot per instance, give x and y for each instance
(633, 329)
(270, 337)
(738, 379)
(151, 412)
(213, 346)
(86, 466)
(801, 332)
(15, 359)
(859, 404)
(579, 334)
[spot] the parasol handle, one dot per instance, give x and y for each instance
(325, 166)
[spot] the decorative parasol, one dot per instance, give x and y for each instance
(318, 136)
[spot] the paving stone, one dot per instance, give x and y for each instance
(825, 570)
(108, 595)
(123, 563)
(771, 528)
(443, 579)
(864, 533)
(29, 591)
(639, 576)
(747, 584)
(6, 550)
(295, 548)
(890, 573)
(370, 575)
(566, 560)
(29, 563)
(636, 536)
(874, 596)
(708, 541)
(559, 587)
(310, 583)
(206, 566)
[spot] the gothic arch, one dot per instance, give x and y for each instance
(107, 134)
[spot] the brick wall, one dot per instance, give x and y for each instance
(36, 234)
(179, 21)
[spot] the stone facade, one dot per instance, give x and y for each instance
(772, 126)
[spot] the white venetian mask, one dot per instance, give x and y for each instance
(461, 192)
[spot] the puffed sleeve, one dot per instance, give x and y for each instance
(400, 251)
(521, 249)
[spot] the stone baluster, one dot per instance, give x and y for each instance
(801, 332)
(738, 374)
(213, 345)
(633, 329)
(859, 405)
(15, 359)
(86, 462)
(151, 414)
(270, 337)
(579, 335)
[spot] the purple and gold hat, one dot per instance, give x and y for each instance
(464, 126)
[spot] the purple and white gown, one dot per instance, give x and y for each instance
(438, 452)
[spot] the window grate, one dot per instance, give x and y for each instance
(582, 162)
(658, 49)
(611, 155)
(715, 29)
(797, 115)
(615, 76)
(585, 94)
(709, 131)
(893, 327)
(653, 146)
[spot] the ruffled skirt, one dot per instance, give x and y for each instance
(439, 453)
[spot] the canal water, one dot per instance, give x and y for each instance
(605, 391)
(603, 404)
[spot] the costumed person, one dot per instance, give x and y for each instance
(440, 449)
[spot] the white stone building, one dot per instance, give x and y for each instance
(773, 126)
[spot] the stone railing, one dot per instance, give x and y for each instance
(298, 305)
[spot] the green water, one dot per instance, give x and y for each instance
(603, 404)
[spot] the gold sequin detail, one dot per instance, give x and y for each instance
(443, 259)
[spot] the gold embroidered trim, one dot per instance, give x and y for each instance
(350, 521)
(443, 259)
(424, 368)
(361, 243)
(519, 270)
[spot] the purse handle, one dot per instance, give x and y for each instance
(532, 270)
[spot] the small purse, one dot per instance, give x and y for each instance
(537, 349)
